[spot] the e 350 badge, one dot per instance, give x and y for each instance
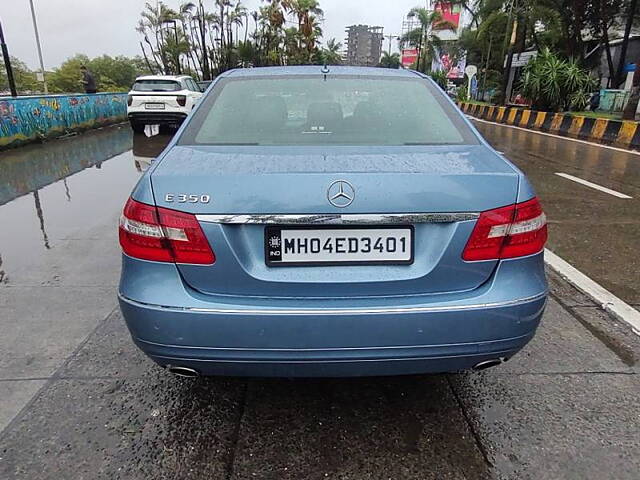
(186, 198)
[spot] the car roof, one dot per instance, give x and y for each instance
(162, 77)
(318, 69)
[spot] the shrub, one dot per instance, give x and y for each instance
(440, 77)
(554, 84)
(461, 94)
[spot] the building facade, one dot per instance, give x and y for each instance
(364, 45)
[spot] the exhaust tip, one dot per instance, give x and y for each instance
(185, 372)
(487, 364)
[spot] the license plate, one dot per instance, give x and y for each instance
(154, 106)
(352, 245)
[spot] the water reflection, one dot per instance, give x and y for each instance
(146, 149)
(36, 197)
(66, 189)
(3, 275)
(30, 168)
(75, 218)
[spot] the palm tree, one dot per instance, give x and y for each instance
(330, 54)
(309, 16)
(424, 37)
(185, 14)
(151, 23)
(212, 41)
(390, 60)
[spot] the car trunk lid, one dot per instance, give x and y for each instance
(258, 184)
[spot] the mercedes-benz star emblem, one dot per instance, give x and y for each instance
(341, 194)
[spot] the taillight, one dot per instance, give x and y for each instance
(508, 232)
(163, 235)
(182, 100)
(129, 99)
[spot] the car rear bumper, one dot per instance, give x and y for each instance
(224, 335)
(159, 117)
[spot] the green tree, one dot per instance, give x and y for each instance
(67, 78)
(440, 78)
(330, 54)
(24, 78)
(390, 61)
(112, 74)
(116, 73)
(601, 16)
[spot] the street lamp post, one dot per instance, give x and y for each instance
(7, 64)
(391, 37)
(35, 29)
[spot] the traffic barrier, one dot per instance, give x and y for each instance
(28, 119)
(611, 132)
(500, 116)
(575, 126)
(624, 134)
(539, 120)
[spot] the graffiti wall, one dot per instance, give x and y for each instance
(25, 119)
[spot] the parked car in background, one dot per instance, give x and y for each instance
(333, 221)
(161, 100)
(204, 84)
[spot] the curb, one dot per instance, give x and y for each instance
(617, 133)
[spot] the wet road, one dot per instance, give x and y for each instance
(596, 232)
(77, 400)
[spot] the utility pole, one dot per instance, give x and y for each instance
(391, 37)
(625, 41)
(419, 50)
(509, 40)
(486, 68)
(7, 64)
(35, 29)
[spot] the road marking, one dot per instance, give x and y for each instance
(607, 300)
(592, 185)
(617, 149)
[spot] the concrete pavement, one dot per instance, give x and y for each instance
(77, 400)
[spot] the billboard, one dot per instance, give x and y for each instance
(452, 66)
(409, 57)
(450, 13)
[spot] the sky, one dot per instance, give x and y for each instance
(96, 27)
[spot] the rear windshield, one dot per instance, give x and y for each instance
(156, 86)
(339, 110)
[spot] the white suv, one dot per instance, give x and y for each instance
(161, 99)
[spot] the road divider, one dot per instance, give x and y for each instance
(619, 133)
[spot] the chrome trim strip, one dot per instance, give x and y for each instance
(336, 311)
(338, 349)
(338, 219)
(346, 360)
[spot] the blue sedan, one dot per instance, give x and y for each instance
(341, 221)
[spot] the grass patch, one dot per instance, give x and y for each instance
(590, 114)
(478, 102)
